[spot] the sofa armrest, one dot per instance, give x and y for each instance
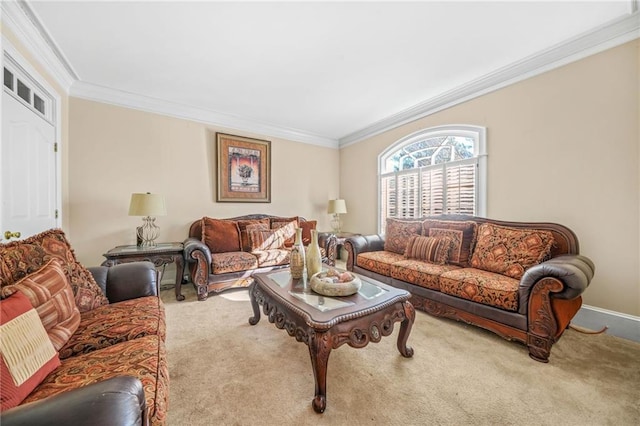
(574, 271)
(329, 242)
(361, 244)
(127, 280)
(119, 400)
(192, 245)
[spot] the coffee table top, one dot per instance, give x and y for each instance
(323, 312)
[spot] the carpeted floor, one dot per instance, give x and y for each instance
(225, 372)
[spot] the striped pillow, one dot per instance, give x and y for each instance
(26, 354)
(51, 295)
(430, 249)
(266, 240)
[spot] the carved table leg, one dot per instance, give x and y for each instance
(319, 349)
(254, 305)
(405, 329)
(179, 277)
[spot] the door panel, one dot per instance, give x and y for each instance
(28, 176)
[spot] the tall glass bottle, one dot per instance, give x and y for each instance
(314, 258)
(297, 257)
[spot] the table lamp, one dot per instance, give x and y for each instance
(336, 208)
(147, 205)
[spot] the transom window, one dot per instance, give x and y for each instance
(21, 86)
(440, 170)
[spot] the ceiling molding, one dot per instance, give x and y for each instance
(25, 25)
(97, 93)
(604, 37)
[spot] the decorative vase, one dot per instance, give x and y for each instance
(314, 258)
(297, 257)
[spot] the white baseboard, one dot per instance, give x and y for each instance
(617, 323)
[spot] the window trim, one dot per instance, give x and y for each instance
(464, 130)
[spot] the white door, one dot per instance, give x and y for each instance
(28, 177)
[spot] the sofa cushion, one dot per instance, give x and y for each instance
(462, 233)
(429, 249)
(398, 233)
(27, 355)
(270, 239)
(112, 324)
(420, 273)
(220, 235)
(481, 286)
(144, 358)
(272, 257)
(52, 297)
(21, 258)
(290, 225)
(234, 261)
(246, 225)
(378, 261)
(510, 251)
(307, 226)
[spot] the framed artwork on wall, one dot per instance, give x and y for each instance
(244, 169)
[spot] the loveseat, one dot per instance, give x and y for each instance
(101, 332)
(522, 281)
(225, 253)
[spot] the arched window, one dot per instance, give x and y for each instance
(440, 170)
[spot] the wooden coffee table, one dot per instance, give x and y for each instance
(325, 323)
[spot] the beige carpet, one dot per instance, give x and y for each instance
(225, 372)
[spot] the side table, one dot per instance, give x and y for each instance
(340, 238)
(159, 255)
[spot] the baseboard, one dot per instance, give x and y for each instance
(618, 324)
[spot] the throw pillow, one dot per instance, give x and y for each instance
(220, 235)
(27, 355)
(246, 225)
(51, 295)
(23, 257)
(307, 226)
(398, 233)
(460, 253)
(510, 251)
(288, 229)
(430, 249)
(266, 240)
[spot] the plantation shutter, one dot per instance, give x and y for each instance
(432, 191)
(408, 194)
(461, 188)
(389, 199)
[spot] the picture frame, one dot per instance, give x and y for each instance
(244, 169)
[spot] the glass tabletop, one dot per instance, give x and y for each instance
(302, 291)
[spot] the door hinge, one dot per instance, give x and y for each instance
(55, 147)
(56, 213)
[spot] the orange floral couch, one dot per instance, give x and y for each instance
(106, 329)
(520, 280)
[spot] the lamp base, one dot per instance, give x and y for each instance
(336, 224)
(148, 232)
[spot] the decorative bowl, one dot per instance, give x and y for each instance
(326, 284)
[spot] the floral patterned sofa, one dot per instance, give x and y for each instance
(104, 359)
(225, 253)
(523, 281)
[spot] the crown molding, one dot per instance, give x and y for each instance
(25, 25)
(604, 37)
(97, 93)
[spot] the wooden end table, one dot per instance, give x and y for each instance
(324, 323)
(159, 255)
(340, 239)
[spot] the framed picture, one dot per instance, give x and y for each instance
(244, 169)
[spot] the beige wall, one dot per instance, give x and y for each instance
(117, 151)
(64, 120)
(563, 147)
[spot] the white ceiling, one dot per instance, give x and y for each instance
(321, 69)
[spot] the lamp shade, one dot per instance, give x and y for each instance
(337, 207)
(147, 205)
